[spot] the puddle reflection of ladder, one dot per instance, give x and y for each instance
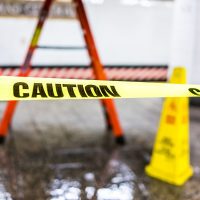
(108, 104)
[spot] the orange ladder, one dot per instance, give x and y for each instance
(108, 104)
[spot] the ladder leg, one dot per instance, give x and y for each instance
(113, 121)
(25, 68)
(108, 104)
(6, 120)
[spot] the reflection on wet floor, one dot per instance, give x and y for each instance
(4, 195)
(64, 189)
(59, 157)
(121, 185)
(116, 180)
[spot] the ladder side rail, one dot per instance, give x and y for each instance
(25, 67)
(44, 12)
(108, 104)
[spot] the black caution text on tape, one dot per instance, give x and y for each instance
(49, 90)
(194, 91)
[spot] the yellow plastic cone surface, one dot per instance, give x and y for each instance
(171, 154)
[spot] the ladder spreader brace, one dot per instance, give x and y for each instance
(108, 104)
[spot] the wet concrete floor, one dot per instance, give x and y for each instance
(62, 151)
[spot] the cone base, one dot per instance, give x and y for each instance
(174, 179)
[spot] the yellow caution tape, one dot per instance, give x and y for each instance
(27, 88)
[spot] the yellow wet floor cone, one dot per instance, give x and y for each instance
(170, 160)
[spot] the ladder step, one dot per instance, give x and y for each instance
(61, 47)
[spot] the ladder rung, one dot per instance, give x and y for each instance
(61, 47)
